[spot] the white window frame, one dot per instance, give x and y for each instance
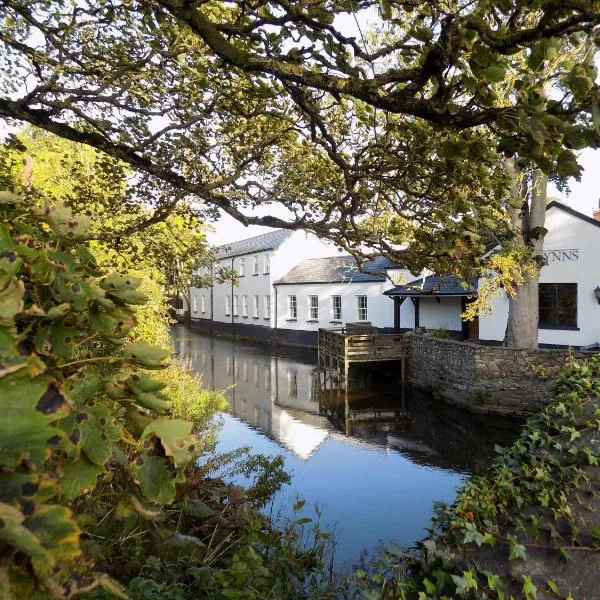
(336, 311)
(266, 264)
(255, 306)
(364, 309)
(195, 303)
(227, 306)
(292, 306)
(242, 270)
(267, 306)
(245, 305)
(236, 305)
(203, 304)
(313, 308)
(255, 264)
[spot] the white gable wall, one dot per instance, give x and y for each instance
(566, 232)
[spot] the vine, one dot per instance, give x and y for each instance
(534, 502)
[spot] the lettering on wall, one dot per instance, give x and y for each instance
(562, 255)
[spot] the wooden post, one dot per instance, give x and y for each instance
(403, 359)
(415, 301)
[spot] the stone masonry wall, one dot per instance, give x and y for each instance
(488, 379)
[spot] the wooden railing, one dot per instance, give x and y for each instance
(361, 347)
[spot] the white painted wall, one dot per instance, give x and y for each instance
(444, 314)
(380, 308)
(565, 232)
(298, 246)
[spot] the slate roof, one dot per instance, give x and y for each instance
(337, 269)
(434, 285)
(265, 241)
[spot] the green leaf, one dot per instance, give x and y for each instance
(156, 477)
(124, 288)
(11, 300)
(30, 486)
(79, 477)
(10, 263)
(7, 197)
(64, 224)
(176, 439)
(567, 166)
(144, 354)
(516, 550)
(55, 526)
(28, 407)
(178, 546)
(552, 586)
(529, 590)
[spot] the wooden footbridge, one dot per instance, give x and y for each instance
(339, 348)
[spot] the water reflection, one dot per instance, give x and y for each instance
(376, 461)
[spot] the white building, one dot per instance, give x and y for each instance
(288, 290)
(569, 313)
(248, 308)
(328, 292)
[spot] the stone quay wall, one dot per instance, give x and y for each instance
(486, 379)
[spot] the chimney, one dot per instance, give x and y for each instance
(596, 213)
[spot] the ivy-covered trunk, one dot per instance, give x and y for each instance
(528, 222)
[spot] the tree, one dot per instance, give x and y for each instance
(166, 251)
(240, 104)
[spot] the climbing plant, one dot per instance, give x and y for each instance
(79, 405)
(535, 502)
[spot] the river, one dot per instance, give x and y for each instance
(375, 468)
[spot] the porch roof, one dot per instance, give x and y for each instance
(435, 285)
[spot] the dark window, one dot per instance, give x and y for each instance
(558, 304)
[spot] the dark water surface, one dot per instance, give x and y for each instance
(375, 467)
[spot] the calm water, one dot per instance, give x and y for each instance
(375, 467)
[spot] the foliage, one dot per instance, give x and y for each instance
(235, 105)
(98, 479)
(74, 419)
(527, 503)
(441, 333)
(163, 251)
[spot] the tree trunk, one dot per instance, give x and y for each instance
(528, 224)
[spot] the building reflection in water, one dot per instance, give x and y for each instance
(284, 397)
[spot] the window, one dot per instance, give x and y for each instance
(558, 305)
(203, 304)
(236, 306)
(242, 267)
(292, 308)
(255, 265)
(293, 384)
(266, 264)
(336, 308)
(267, 307)
(361, 303)
(244, 305)
(195, 303)
(227, 306)
(255, 307)
(313, 308)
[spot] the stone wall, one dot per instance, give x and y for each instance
(488, 379)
